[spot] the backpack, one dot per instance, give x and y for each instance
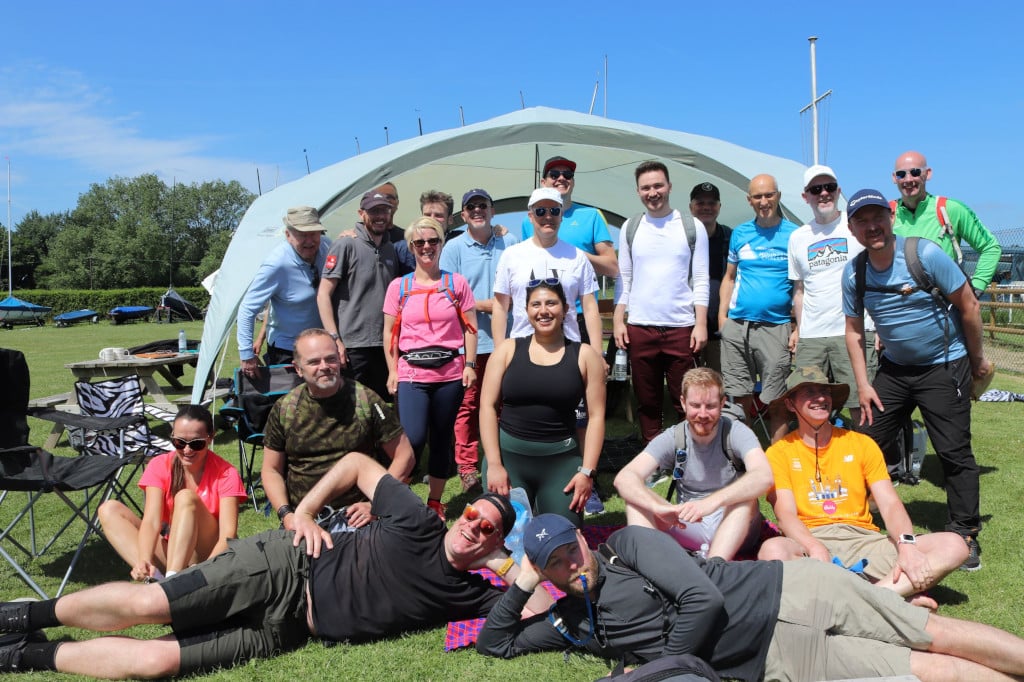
(725, 426)
(405, 290)
(672, 668)
(688, 225)
(947, 227)
(911, 254)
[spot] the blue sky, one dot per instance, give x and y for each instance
(203, 90)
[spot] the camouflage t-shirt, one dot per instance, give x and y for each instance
(315, 433)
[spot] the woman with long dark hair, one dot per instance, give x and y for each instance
(191, 505)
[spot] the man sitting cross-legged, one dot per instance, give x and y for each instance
(823, 475)
(269, 593)
(719, 470)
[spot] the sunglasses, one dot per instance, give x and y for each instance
(541, 211)
(914, 172)
(471, 513)
(477, 207)
(420, 243)
(196, 445)
(550, 281)
(555, 174)
(824, 187)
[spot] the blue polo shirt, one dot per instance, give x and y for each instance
(286, 281)
(477, 263)
(583, 227)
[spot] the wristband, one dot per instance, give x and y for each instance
(284, 510)
(505, 567)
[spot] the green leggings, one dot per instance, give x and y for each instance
(542, 476)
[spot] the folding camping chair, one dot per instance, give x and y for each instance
(113, 422)
(37, 473)
(247, 410)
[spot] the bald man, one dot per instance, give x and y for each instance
(756, 302)
(947, 222)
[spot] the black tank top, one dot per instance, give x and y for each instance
(539, 402)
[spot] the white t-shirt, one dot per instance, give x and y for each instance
(653, 272)
(817, 256)
(527, 261)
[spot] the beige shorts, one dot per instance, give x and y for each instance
(850, 544)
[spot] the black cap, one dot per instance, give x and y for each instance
(705, 188)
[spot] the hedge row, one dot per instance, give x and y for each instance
(102, 300)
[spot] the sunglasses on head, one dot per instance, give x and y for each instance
(823, 187)
(542, 211)
(196, 445)
(550, 281)
(471, 513)
(555, 174)
(420, 243)
(914, 172)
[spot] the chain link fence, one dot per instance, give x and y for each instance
(1002, 305)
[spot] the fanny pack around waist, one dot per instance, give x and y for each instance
(431, 356)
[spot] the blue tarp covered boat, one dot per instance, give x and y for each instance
(16, 311)
(76, 316)
(129, 313)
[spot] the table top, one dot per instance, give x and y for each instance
(135, 361)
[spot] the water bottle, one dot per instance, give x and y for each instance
(182, 341)
(619, 369)
(917, 452)
(514, 540)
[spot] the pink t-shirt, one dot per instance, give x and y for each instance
(220, 479)
(443, 329)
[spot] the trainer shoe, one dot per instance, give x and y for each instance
(471, 482)
(13, 646)
(14, 616)
(439, 508)
(594, 505)
(973, 562)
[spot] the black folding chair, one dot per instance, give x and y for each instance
(247, 410)
(43, 477)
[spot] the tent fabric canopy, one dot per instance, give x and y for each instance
(502, 155)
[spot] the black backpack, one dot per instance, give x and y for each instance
(675, 668)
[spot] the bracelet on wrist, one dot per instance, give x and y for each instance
(284, 510)
(505, 567)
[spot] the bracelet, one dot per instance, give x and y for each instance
(506, 567)
(284, 510)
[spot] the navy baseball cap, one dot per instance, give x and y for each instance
(866, 197)
(544, 534)
(476, 193)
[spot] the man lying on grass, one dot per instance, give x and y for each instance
(269, 593)
(642, 597)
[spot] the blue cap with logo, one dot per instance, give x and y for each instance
(544, 534)
(865, 197)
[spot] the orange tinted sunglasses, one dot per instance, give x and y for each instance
(471, 513)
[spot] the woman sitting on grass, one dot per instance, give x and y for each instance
(191, 506)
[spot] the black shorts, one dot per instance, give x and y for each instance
(248, 602)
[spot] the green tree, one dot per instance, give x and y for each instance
(32, 239)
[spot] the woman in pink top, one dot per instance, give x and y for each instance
(191, 506)
(428, 316)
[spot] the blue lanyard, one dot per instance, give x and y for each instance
(559, 624)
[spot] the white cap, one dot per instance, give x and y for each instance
(816, 170)
(544, 193)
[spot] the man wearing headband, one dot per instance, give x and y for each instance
(642, 597)
(823, 476)
(269, 593)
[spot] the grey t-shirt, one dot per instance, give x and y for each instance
(707, 467)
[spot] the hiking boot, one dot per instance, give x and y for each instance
(973, 562)
(594, 504)
(14, 616)
(439, 508)
(471, 482)
(13, 646)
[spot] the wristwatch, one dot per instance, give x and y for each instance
(586, 471)
(284, 510)
(471, 364)
(333, 335)
(907, 539)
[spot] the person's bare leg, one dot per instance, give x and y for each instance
(121, 528)
(932, 667)
(778, 420)
(114, 606)
(946, 552)
(986, 645)
(733, 530)
(116, 657)
(194, 531)
(780, 549)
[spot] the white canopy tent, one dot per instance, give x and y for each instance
(502, 155)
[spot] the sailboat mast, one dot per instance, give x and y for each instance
(10, 280)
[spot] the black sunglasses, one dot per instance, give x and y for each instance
(555, 174)
(550, 281)
(824, 187)
(196, 445)
(914, 172)
(420, 243)
(541, 211)
(482, 206)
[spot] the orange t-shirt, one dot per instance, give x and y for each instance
(847, 466)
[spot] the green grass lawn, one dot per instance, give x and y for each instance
(992, 595)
